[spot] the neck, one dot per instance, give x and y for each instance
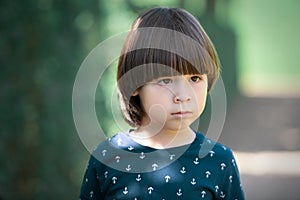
(164, 138)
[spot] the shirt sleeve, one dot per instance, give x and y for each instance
(90, 189)
(232, 187)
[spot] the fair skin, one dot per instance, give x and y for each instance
(171, 105)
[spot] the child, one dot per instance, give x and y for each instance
(166, 68)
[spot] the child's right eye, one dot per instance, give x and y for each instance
(165, 81)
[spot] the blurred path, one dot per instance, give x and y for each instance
(265, 124)
(259, 124)
(270, 187)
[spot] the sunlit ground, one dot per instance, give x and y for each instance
(269, 163)
(277, 86)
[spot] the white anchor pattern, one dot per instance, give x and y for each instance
(138, 178)
(179, 192)
(167, 178)
(193, 182)
(214, 176)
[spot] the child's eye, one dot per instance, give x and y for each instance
(165, 81)
(195, 79)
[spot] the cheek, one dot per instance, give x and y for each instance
(201, 100)
(157, 112)
(157, 100)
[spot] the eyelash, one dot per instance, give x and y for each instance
(166, 81)
(198, 78)
(163, 81)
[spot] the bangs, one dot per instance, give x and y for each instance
(144, 65)
(155, 63)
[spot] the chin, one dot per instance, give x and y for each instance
(178, 127)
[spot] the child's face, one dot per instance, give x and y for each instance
(173, 102)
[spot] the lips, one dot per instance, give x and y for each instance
(181, 114)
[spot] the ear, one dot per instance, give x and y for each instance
(135, 93)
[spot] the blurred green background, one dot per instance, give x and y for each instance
(43, 43)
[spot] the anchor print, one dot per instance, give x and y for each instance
(150, 190)
(138, 178)
(203, 193)
(193, 182)
(91, 193)
(172, 157)
(114, 180)
(142, 156)
(230, 179)
(183, 171)
(154, 166)
(117, 158)
(128, 168)
(223, 165)
(224, 148)
(233, 162)
(167, 178)
(222, 195)
(104, 152)
(105, 174)
(119, 141)
(211, 153)
(130, 148)
(125, 191)
(86, 180)
(179, 193)
(207, 174)
(196, 161)
(217, 188)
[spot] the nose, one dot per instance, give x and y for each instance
(180, 99)
(182, 93)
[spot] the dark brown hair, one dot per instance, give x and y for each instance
(162, 42)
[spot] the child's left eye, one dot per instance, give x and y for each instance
(195, 79)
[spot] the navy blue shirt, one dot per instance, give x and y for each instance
(120, 168)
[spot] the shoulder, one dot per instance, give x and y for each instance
(122, 140)
(218, 157)
(119, 141)
(112, 144)
(214, 149)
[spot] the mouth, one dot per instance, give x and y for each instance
(182, 114)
